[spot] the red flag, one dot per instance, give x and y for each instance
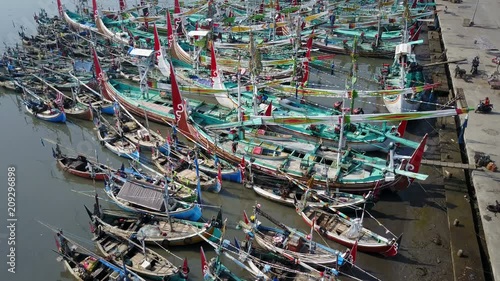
(58, 245)
(269, 109)
(185, 268)
(157, 47)
(354, 251)
(123, 5)
(204, 266)
(60, 8)
(245, 218)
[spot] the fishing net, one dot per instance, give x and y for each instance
(148, 231)
(354, 230)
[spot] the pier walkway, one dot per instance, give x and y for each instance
(483, 131)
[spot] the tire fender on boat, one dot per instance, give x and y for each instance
(188, 241)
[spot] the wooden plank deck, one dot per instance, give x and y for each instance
(450, 164)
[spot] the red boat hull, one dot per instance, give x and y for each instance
(388, 250)
(82, 174)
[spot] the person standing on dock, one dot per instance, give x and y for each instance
(332, 68)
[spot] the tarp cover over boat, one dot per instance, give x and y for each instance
(145, 197)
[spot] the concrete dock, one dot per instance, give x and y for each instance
(483, 131)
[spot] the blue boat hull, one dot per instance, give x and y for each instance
(134, 156)
(191, 213)
(108, 110)
(56, 116)
(216, 188)
(233, 176)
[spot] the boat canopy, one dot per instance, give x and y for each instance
(140, 52)
(202, 33)
(145, 197)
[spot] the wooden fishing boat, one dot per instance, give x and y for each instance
(42, 111)
(70, 105)
(365, 50)
(214, 166)
(151, 201)
(155, 231)
(85, 265)
(74, 20)
(271, 265)
(117, 144)
(123, 148)
(262, 133)
(81, 166)
(78, 111)
(138, 180)
(346, 231)
(103, 105)
(403, 73)
(214, 270)
(137, 258)
(265, 151)
(266, 265)
(137, 133)
(305, 160)
(290, 243)
(287, 195)
(184, 172)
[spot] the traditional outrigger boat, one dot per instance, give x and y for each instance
(214, 270)
(84, 265)
(151, 201)
(81, 166)
(155, 231)
(137, 258)
(346, 231)
(287, 195)
(184, 172)
(138, 181)
(41, 109)
(115, 142)
(290, 243)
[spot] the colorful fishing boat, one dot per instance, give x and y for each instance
(403, 73)
(134, 180)
(287, 195)
(346, 231)
(290, 243)
(81, 166)
(151, 201)
(301, 163)
(155, 231)
(42, 111)
(136, 257)
(83, 264)
(184, 172)
(214, 270)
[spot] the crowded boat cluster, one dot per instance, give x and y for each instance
(230, 80)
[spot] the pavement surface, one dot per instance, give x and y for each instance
(483, 130)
